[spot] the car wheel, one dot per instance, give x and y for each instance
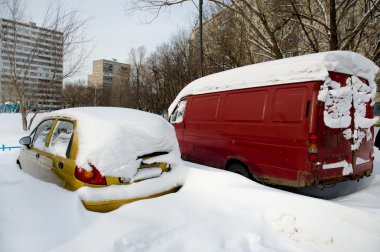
(237, 168)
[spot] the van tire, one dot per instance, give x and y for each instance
(239, 169)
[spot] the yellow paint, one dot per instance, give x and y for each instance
(70, 182)
(110, 205)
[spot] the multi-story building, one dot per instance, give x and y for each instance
(105, 73)
(31, 63)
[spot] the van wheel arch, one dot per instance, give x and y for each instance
(237, 166)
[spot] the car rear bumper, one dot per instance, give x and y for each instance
(105, 199)
(110, 205)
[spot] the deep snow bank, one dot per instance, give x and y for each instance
(214, 211)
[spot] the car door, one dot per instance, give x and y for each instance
(30, 157)
(56, 162)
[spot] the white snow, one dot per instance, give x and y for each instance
(165, 182)
(347, 167)
(112, 139)
(360, 161)
(338, 102)
(214, 211)
(146, 173)
(312, 67)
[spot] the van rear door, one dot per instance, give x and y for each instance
(337, 137)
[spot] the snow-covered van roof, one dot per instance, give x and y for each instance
(113, 138)
(312, 67)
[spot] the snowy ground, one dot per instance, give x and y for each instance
(214, 211)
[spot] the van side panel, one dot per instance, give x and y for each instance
(201, 137)
(266, 128)
(275, 146)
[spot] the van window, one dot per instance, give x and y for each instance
(60, 139)
(177, 115)
(203, 109)
(247, 106)
(289, 104)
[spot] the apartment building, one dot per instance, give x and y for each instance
(31, 61)
(106, 73)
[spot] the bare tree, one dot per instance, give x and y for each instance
(137, 57)
(62, 32)
(164, 73)
(267, 29)
(338, 25)
(277, 27)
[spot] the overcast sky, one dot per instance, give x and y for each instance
(113, 32)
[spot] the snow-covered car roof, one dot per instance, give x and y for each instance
(113, 138)
(312, 67)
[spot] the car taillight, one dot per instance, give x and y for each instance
(313, 147)
(92, 176)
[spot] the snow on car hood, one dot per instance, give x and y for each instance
(312, 67)
(113, 138)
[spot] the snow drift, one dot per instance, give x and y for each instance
(113, 139)
(214, 211)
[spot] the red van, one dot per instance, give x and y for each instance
(296, 122)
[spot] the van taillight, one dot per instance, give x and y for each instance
(90, 177)
(313, 147)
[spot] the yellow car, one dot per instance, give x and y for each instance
(110, 156)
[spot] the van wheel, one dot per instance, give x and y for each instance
(239, 169)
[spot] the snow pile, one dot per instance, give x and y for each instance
(112, 139)
(347, 168)
(362, 95)
(167, 181)
(312, 67)
(214, 211)
(338, 103)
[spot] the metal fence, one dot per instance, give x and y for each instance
(9, 148)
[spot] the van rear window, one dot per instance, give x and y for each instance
(247, 106)
(289, 104)
(203, 109)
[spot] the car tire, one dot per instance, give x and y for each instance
(239, 169)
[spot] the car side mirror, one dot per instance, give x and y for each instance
(26, 141)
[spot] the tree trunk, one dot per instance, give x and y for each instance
(23, 115)
(333, 26)
(32, 119)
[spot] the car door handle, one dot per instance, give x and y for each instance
(37, 155)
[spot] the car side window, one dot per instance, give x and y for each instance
(60, 139)
(41, 134)
(177, 115)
